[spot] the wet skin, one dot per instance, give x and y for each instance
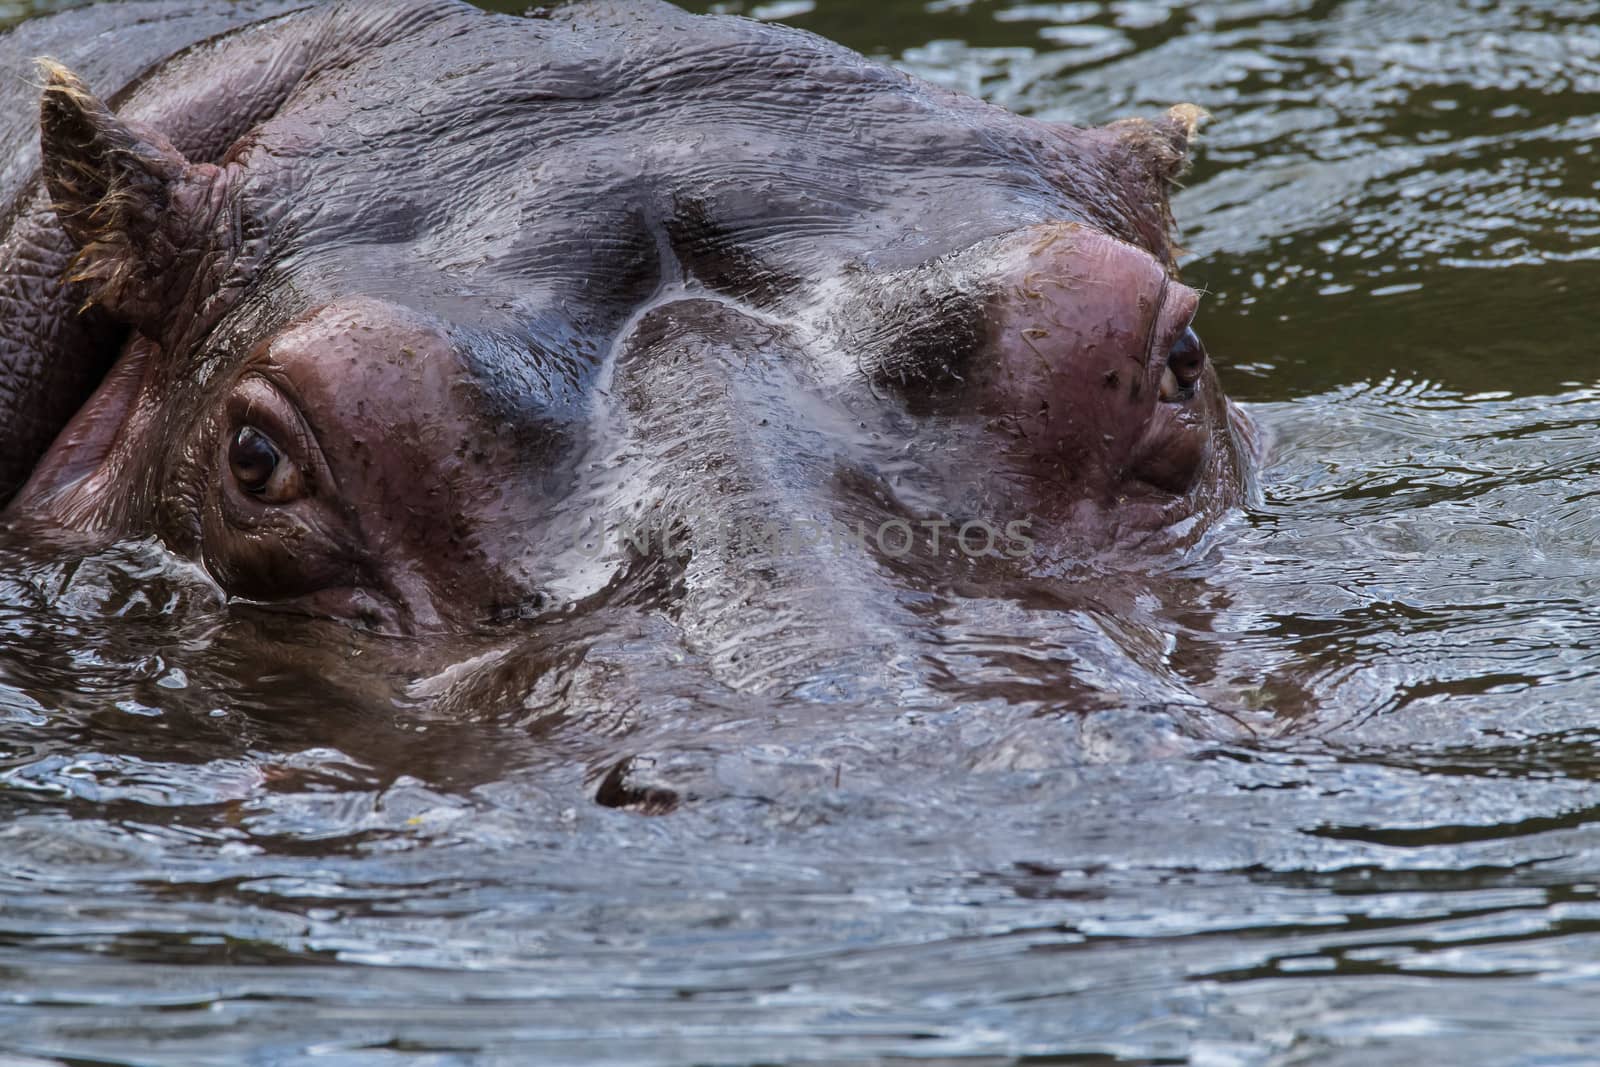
(409, 308)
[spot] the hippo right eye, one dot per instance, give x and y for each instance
(260, 467)
(272, 527)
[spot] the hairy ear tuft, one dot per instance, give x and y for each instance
(1152, 154)
(113, 183)
(1163, 144)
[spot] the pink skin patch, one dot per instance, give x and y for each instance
(1079, 387)
(403, 497)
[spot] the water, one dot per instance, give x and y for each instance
(1330, 799)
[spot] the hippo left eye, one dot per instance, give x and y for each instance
(1187, 358)
(261, 469)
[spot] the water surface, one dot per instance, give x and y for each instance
(1321, 792)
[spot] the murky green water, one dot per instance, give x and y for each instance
(1333, 803)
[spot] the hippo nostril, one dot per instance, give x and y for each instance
(1187, 359)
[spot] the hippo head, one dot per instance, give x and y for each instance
(472, 300)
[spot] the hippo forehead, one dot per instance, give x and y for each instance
(632, 143)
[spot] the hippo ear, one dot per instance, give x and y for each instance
(1163, 144)
(124, 195)
(1154, 154)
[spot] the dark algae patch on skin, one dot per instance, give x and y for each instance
(1317, 788)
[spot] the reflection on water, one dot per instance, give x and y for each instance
(1321, 792)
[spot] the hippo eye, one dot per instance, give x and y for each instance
(1187, 358)
(253, 458)
(260, 468)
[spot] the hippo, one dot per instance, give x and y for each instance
(429, 321)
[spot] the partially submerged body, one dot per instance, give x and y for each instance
(433, 321)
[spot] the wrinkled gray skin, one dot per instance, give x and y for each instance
(417, 312)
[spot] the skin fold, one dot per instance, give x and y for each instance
(429, 321)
